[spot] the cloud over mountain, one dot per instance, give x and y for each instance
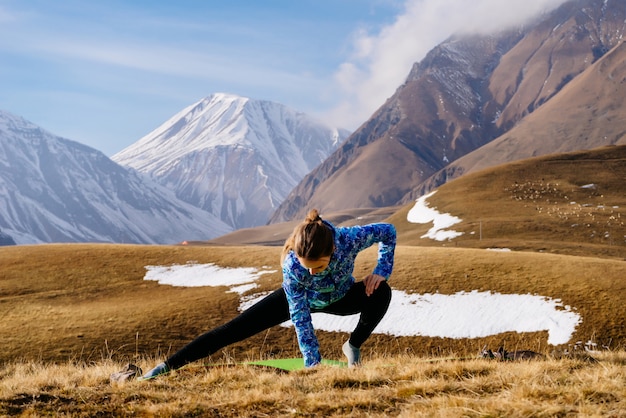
(380, 61)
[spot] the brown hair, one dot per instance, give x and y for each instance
(312, 239)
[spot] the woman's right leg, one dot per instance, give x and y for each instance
(268, 312)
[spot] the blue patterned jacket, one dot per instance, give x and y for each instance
(305, 291)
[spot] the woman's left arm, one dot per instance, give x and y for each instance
(386, 234)
(358, 238)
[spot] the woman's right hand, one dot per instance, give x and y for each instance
(372, 281)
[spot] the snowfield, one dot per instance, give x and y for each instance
(421, 213)
(461, 315)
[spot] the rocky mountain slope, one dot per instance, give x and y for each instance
(589, 112)
(464, 94)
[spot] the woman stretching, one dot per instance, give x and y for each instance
(317, 262)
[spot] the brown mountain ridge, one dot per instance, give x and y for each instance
(470, 91)
(589, 112)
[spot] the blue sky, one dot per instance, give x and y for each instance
(106, 73)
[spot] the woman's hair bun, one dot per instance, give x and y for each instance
(313, 216)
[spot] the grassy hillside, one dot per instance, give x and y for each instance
(572, 203)
(74, 314)
(89, 302)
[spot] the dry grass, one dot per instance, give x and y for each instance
(88, 302)
(402, 386)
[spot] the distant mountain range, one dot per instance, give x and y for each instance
(228, 162)
(553, 86)
(224, 157)
(56, 190)
(235, 157)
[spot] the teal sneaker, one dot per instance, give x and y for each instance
(159, 370)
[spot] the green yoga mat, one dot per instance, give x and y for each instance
(291, 364)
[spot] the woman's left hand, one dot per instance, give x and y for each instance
(372, 282)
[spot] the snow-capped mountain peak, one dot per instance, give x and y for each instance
(56, 190)
(235, 157)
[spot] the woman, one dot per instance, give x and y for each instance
(317, 262)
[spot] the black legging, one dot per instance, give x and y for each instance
(274, 309)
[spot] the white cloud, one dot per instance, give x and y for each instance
(380, 62)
